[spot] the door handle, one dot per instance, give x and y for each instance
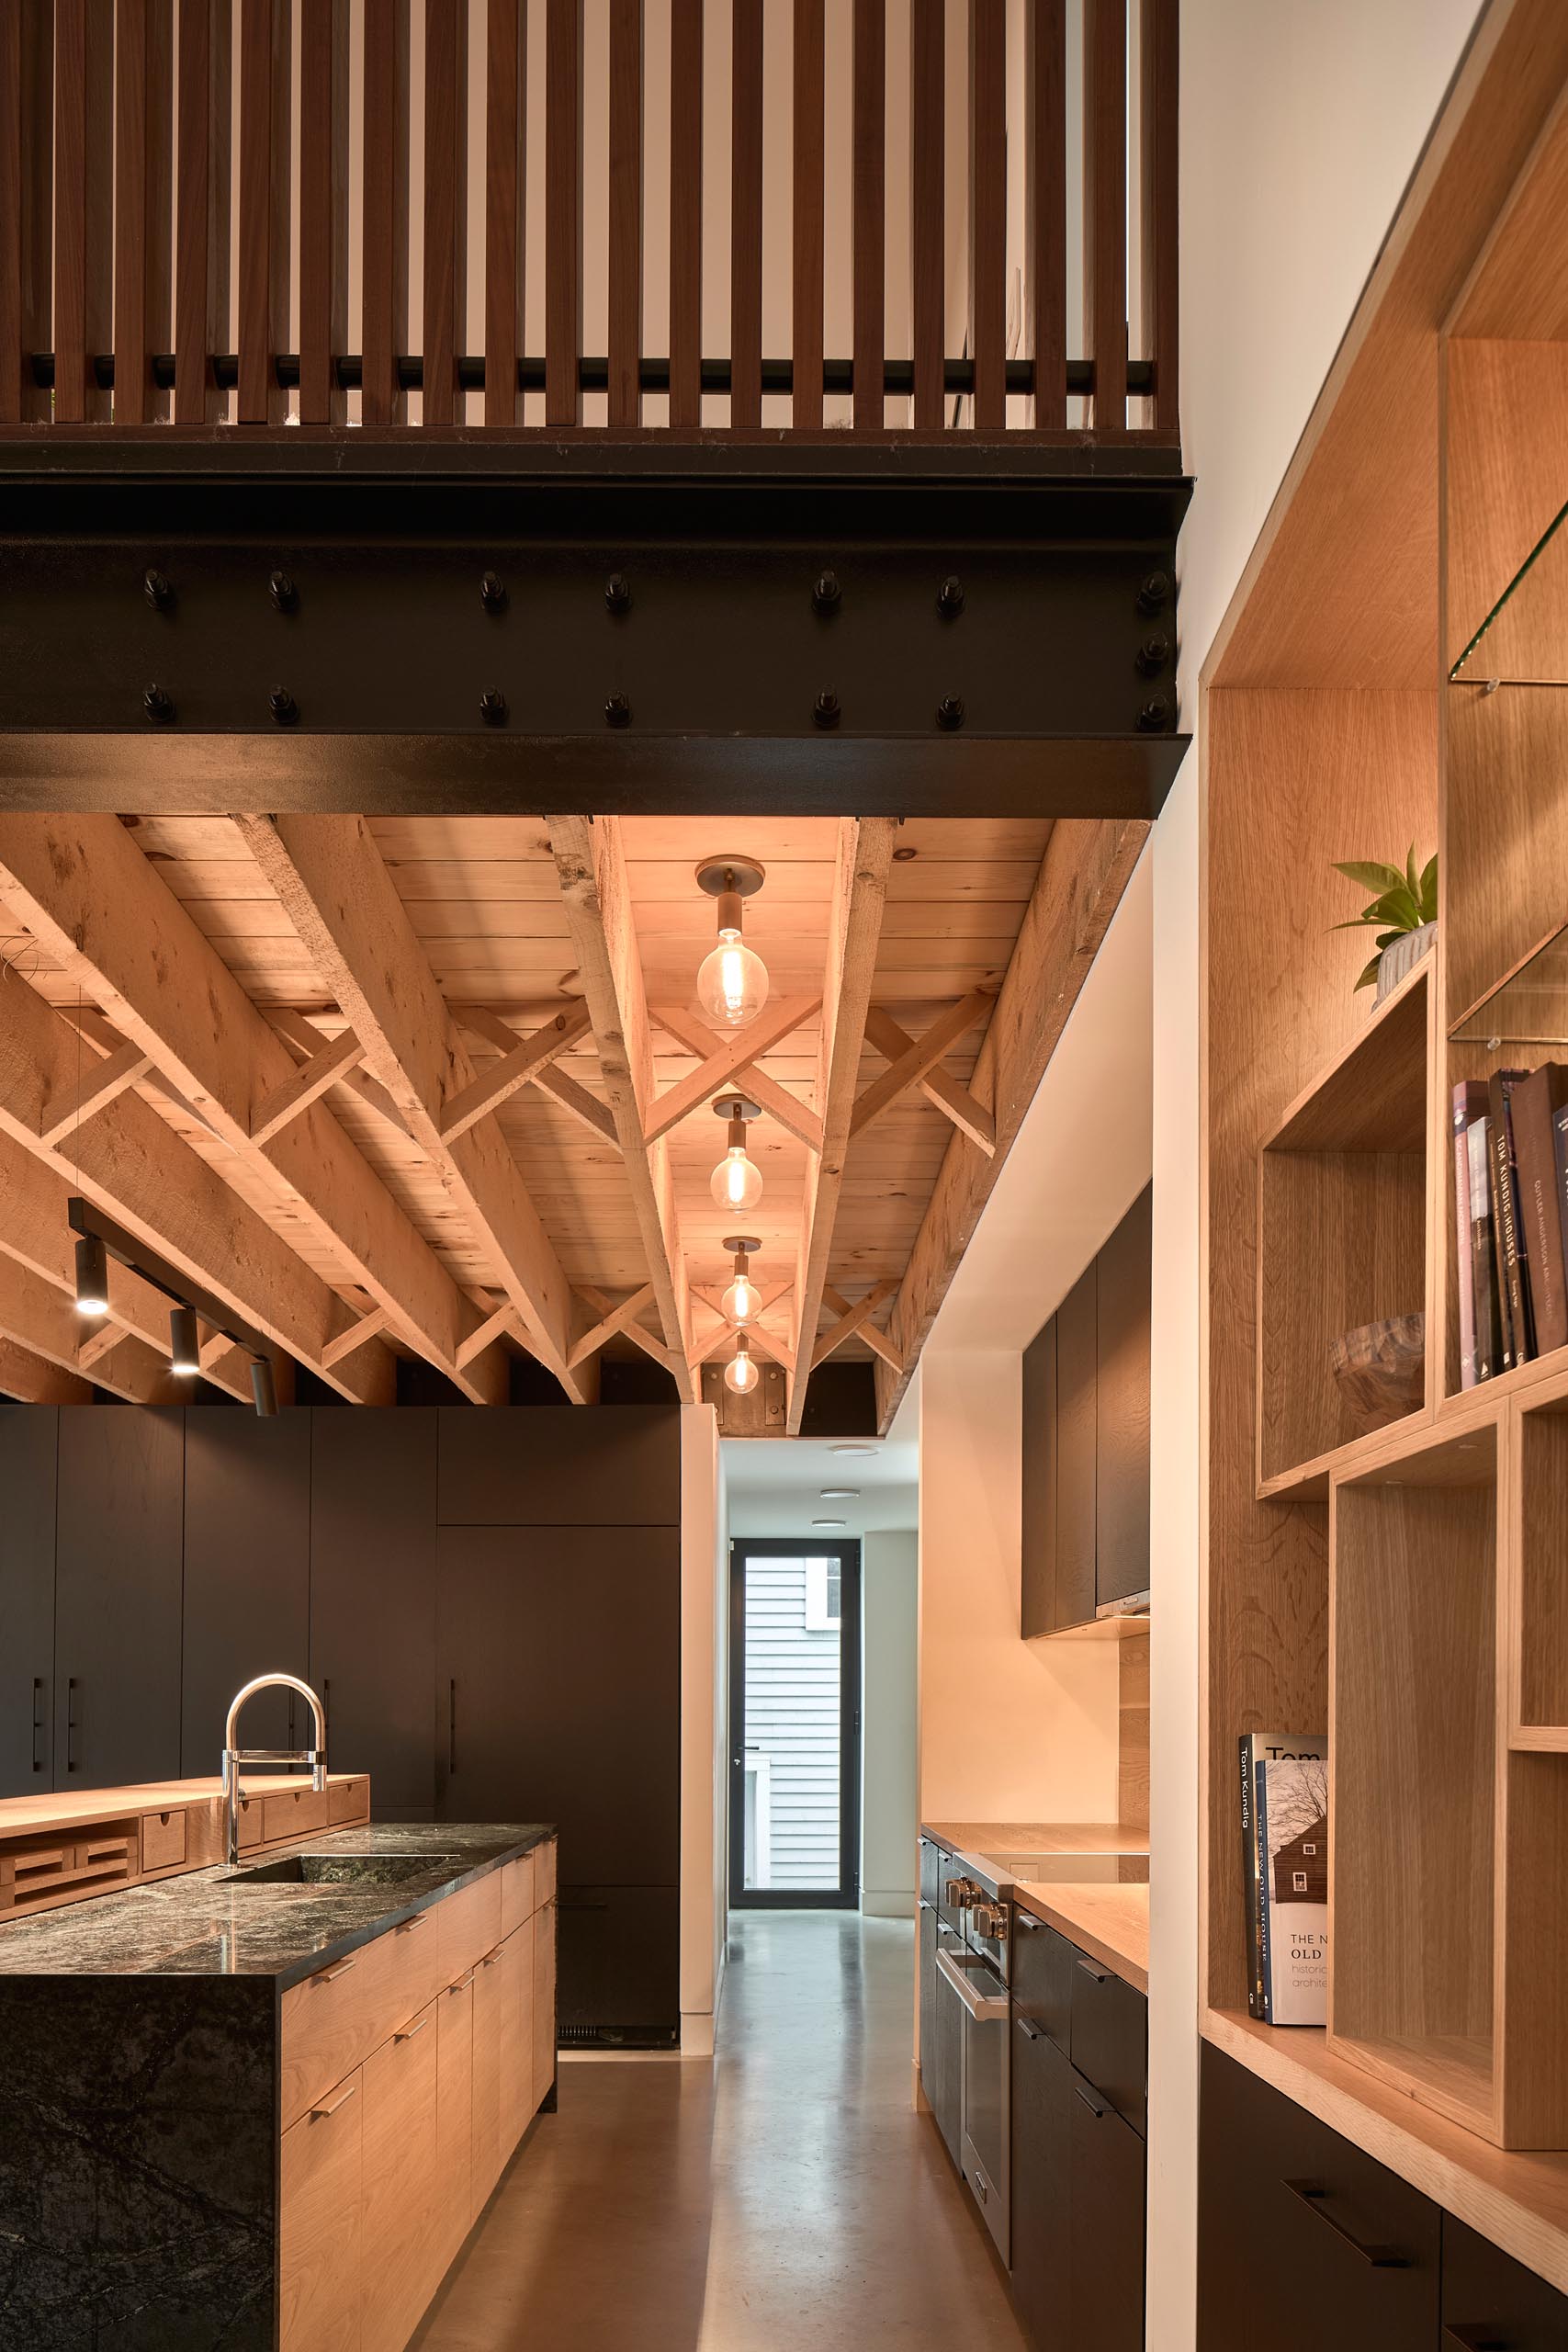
(38, 1721)
(1098, 2112)
(452, 1725)
(1029, 2029)
(1474, 2340)
(1376, 2258)
(1098, 1974)
(71, 1722)
(984, 2009)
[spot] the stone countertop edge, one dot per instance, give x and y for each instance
(98, 1937)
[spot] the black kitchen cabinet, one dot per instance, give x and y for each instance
(1109, 2043)
(1108, 2225)
(247, 1579)
(557, 1467)
(1304, 2240)
(29, 1435)
(558, 1679)
(118, 1575)
(618, 1966)
(941, 2044)
(1039, 1480)
(1078, 1347)
(1043, 1963)
(372, 1598)
(1041, 2185)
(1491, 2304)
(1121, 1448)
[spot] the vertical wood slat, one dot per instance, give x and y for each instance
(84, 208)
(445, 206)
(1045, 207)
(745, 218)
(685, 211)
(1105, 207)
(201, 243)
(1159, 112)
(810, 163)
(265, 176)
(144, 56)
(563, 211)
(624, 345)
(927, 135)
(323, 209)
(384, 253)
(506, 71)
(869, 229)
(27, 166)
(987, 211)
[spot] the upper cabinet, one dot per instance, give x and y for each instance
(117, 1595)
(29, 1435)
(559, 1467)
(1086, 1440)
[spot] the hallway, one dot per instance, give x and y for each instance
(786, 2199)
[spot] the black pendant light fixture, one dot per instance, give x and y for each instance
(99, 1240)
(185, 1347)
(262, 1387)
(92, 1276)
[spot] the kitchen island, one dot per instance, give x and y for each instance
(260, 2107)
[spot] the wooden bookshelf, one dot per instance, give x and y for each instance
(1406, 1587)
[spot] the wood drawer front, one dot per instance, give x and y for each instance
(468, 1924)
(38, 1872)
(518, 1899)
(517, 2043)
(544, 2002)
(294, 1813)
(1489, 2299)
(335, 2019)
(402, 2196)
(491, 1979)
(321, 2266)
(1280, 2268)
(250, 1822)
(454, 2118)
(162, 1840)
(348, 1801)
(1042, 1976)
(416, 1959)
(545, 1871)
(1110, 2036)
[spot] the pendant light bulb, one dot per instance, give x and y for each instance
(732, 982)
(740, 1373)
(185, 1353)
(92, 1276)
(741, 1302)
(737, 1182)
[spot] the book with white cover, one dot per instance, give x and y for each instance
(1292, 1812)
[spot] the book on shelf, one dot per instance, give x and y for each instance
(1510, 1146)
(1538, 1098)
(1284, 1833)
(1469, 1104)
(1513, 1284)
(1488, 1324)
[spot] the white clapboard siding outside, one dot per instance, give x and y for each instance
(792, 1731)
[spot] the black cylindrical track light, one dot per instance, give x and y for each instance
(184, 1349)
(92, 1276)
(263, 1388)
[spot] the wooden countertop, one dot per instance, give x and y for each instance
(1108, 1921)
(1039, 1836)
(50, 1809)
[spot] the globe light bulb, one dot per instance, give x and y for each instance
(740, 1300)
(737, 1181)
(742, 1374)
(732, 982)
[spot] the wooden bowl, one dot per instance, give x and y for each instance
(1382, 1369)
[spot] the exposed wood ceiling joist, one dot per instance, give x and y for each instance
(955, 1102)
(35, 1316)
(852, 1320)
(724, 1334)
(876, 1341)
(731, 1062)
(32, 1380)
(332, 881)
(619, 1319)
(526, 1059)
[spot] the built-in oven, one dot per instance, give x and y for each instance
(971, 1967)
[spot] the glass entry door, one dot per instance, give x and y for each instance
(794, 1723)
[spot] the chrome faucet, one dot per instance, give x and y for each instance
(234, 1757)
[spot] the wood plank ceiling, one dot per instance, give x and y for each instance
(405, 1086)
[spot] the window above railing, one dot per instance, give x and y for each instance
(884, 216)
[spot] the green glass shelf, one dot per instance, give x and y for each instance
(1530, 1007)
(1524, 639)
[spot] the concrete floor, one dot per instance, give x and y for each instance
(787, 2199)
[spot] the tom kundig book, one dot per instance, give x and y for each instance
(1285, 1836)
(1511, 1217)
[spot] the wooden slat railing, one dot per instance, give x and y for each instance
(115, 215)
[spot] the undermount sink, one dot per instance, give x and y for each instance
(336, 1870)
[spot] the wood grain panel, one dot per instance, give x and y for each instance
(544, 2002)
(809, 198)
(445, 206)
(685, 211)
(1105, 208)
(323, 209)
(454, 2118)
(264, 186)
(403, 2190)
(321, 2270)
(384, 233)
(143, 151)
(563, 210)
(987, 211)
(927, 135)
(84, 208)
(746, 150)
(27, 163)
(1045, 207)
(625, 343)
(868, 220)
(494, 1982)
(506, 117)
(201, 258)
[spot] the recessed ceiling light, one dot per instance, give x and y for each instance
(829, 1522)
(839, 1494)
(842, 1451)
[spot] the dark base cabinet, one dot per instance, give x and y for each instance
(941, 2053)
(619, 1981)
(1042, 2186)
(1492, 2303)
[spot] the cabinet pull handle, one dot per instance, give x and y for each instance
(463, 1983)
(1026, 1921)
(71, 1722)
(1376, 2258)
(1028, 2027)
(452, 1725)
(331, 1976)
(407, 2033)
(319, 2114)
(1098, 1974)
(1474, 2340)
(1098, 2112)
(38, 1721)
(407, 1927)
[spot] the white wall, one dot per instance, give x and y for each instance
(889, 1827)
(1300, 126)
(704, 1732)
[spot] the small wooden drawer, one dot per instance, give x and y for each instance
(1042, 1976)
(294, 1813)
(545, 1872)
(162, 1840)
(348, 1801)
(417, 1956)
(468, 1926)
(250, 1822)
(517, 1897)
(1110, 2036)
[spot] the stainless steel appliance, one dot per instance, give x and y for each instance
(972, 1963)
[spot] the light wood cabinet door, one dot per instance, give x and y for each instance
(490, 2004)
(517, 2041)
(545, 1871)
(544, 2002)
(454, 2117)
(468, 1924)
(400, 2097)
(320, 2270)
(517, 1896)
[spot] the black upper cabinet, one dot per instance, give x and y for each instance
(1122, 1478)
(373, 1598)
(117, 1573)
(247, 1579)
(28, 1437)
(1040, 1477)
(559, 1683)
(1078, 1350)
(559, 1467)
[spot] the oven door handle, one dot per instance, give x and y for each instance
(984, 2009)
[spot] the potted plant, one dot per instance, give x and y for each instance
(1403, 914)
